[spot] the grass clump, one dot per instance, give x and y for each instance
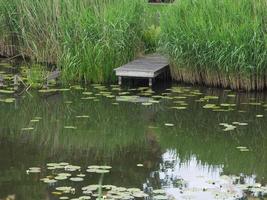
(217, 42)
(151, 37)
(94, 41)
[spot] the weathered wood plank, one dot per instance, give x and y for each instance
(137, 74)
(149, 66)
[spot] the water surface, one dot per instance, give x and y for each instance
(178, 139)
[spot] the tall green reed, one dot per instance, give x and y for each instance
(87, 39)
(217, 42)
(105, 37)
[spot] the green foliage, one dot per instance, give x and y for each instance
(151, 38)
(97, 40)
(216, 42)
(153, 13)
(35, 75)
(87, 39)
(217, 35)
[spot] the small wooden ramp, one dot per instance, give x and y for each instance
(149, 66)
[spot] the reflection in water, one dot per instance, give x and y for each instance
(192, 180)
(190, 159)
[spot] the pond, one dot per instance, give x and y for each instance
(175, 142)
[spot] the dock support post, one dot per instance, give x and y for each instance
(46, 84)
(150, 82)
(120, 80)
(1, 81)
(16, 82)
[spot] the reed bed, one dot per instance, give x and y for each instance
(87, 39)
(220, 43)
(5, 37)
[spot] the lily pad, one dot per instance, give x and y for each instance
(60, 178)
(84, 197)
(160, 197)
(64, 198)
(7, 91)
(82, 116)
(64, 189)
(70, 127)
(50, 181)
(35, 120)
(76, 179)
(159, 191)
(169, 124)
(34, 170)
(72, 168)
(27, 129)
(147, 104)
(81, 175)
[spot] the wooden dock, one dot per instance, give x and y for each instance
(149, 66)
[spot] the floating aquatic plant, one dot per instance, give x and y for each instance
(169, 124)
(228, 127)
(7, 91)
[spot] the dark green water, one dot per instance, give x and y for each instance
(194, 151)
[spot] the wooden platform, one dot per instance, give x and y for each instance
(149, 66)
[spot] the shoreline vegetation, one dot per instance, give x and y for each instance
(86, 39)
(220, 43)
(209, 42)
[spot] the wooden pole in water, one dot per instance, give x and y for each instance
(1, 81)
(47, 84)
(16, 82)
(150, 82)
(120, 80)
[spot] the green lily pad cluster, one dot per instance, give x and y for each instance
(233, 126)
(177, 95)
(63, 174)
(62, 171)
(112, 192)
